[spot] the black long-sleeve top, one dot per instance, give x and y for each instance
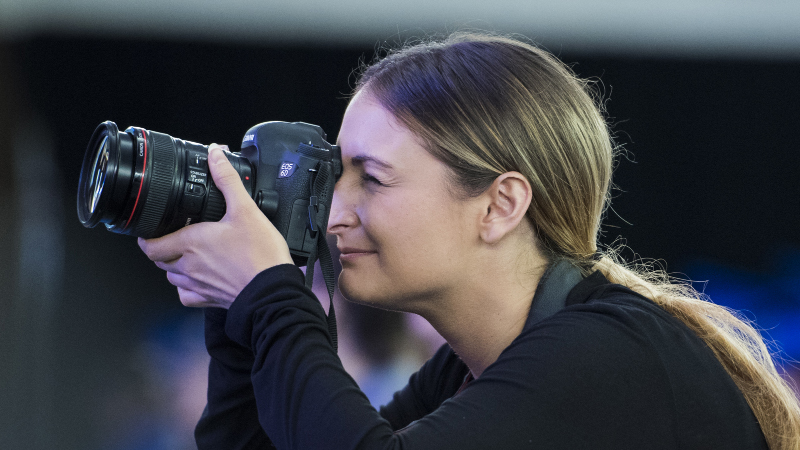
(610, 371)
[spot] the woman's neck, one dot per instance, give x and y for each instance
(484, 314)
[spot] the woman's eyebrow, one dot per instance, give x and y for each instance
(359, 160)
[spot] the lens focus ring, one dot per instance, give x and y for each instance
(215, 208)
(163, 169)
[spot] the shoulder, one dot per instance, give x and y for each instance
(611, 319)
(621, 362)
(611, 347)
(618, 334)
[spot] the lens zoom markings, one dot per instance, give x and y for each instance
(160, 185)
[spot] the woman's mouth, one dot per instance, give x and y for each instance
(351, 254)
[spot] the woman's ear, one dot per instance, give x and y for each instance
(507, 201)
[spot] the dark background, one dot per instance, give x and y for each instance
(707, 182)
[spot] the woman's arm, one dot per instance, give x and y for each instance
(230, 419)
(436, 381)
(305, 398)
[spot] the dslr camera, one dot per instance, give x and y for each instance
(148, 184)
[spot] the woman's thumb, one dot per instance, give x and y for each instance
(226, 177)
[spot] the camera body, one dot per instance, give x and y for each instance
(296, 170)
(148, 184)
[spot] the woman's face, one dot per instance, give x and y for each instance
(404, 238)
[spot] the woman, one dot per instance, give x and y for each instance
(476, 171)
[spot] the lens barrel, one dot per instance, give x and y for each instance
(144, 183)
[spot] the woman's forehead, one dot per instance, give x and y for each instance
(370, 133)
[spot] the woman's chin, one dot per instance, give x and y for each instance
(347, 287)
(355, 290)
(351, 290)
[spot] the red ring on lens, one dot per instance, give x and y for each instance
(141, 181)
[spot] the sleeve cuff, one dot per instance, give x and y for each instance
(274, 280)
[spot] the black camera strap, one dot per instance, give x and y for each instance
(553, 289)
(326, 264)
(320, 193)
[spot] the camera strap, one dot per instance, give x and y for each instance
(553, 289)
(321, 191)
(326, 264)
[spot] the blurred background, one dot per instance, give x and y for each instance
(98, 353)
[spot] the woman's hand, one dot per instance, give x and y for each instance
(211, 262)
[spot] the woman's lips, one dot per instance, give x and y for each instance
(350, 254)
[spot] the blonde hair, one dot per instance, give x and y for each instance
(486, 105)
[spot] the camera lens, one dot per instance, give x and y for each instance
(144, 183)
(98, 173)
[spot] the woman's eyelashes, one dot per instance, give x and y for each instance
(369, 179)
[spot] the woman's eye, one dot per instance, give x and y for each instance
(367, 178)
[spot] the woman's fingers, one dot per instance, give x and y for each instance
(173, 266)
(172, 246)
(181, 281)
(195, 293)
(193, 299)
(211, 262)
(227, 179)
(164, 248)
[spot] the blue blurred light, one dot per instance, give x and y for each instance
(771, 299)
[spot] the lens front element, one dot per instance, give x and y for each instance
(98, 178)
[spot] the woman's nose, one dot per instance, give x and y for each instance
(343, 213)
